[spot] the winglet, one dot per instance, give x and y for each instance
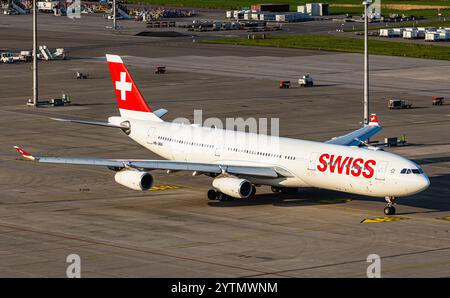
(373, 120)
(24, 154)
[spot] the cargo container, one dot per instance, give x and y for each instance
(386, 32)
(443, 34)
(301, 8)
(317, 9)
(397, 32)
(410, 34)
(255, 16)
(267, 17)
(432, 36)
(291, 17)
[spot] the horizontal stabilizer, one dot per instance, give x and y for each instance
(160, 112)
(359, 136)
(107, 124)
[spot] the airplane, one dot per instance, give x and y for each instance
(240, 161)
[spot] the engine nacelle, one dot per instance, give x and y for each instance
(136, 180)
(234, 187)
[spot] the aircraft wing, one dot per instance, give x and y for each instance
(92, 123)
(148, 165)
(358, 136)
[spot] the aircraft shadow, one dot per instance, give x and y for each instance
(435, 199)
(304, 197)
(432, 160)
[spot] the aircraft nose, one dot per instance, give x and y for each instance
(423, 183)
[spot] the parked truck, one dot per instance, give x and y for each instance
(25, 56)
(306, 81)
(399, 104)
(437, 100)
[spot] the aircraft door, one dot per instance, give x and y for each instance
(312, 164)
(217, 149)
(151, 136)
(381, 170)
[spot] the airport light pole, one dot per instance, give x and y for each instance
(35, 64)
(114, 15)
(366, 4)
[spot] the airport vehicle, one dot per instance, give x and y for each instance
(6, 57)
(306, 81)
(25, 56)
(239, 161)
(47, 6)
(10, 12)
(82, 75)
(285, 84)
(437, 100)
(399, 104)
(160, 69)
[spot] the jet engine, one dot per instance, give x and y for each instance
(136, 180)
(234, 187)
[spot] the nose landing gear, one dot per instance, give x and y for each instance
(390, 209)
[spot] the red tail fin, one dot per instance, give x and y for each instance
(373, 120)
(127, 93)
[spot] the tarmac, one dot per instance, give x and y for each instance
(48, 212)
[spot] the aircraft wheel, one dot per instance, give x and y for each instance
(212, 194)
(252, 194)
(389, 210)
(288, 190)
(275, 189)
(223, 197)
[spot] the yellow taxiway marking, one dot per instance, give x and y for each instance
(382, 219)
(164, 187)
(446, 218)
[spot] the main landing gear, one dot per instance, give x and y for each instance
(217, 195)
(390, 209)
(284, 190)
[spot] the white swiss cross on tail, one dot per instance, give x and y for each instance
(128, 96)
(123, 86)
(373, 119)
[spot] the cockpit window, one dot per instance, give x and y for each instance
(409, 171)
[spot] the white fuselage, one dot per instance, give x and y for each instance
(303, 163)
